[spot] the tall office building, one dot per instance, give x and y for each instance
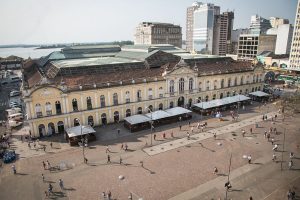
(208, 31)
(158, 33)
(259, 25)
(284, 39)
(295, 48)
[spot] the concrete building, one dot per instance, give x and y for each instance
(251, 45)
(235, 35)
(259, 25)
(223, 26)
(190, 26)
(295, 48)
(100, 90)
(276, 21)
(284, 39)
(158, 33)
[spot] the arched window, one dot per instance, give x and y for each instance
(116, 117)
(103, 118)
(199, 99)
(89, 105)
(127, 97)
(222, 83)
(102, 101)
(171, 89)
(246, 91)
(150, 93)
(171, 104)
(258, 88)
(229, 82)
(191, 84)
(221, 96)
(257, 78)
(200, 86)
(74, 104)
(51, 128)
(228, 94)
(252, 89)
(181, 85)
(140, 110)
(206, 98)
(242, 80)
(42, 131)
(128, 112)
(214, 96)
(76, 122)
(215, 84)
(150, 109)
(139, 95)
(115, 99)
(255, 89)
(160, 106)
(90, 120)
(233, 93)
(235, 81)
(161, 92)
(58, 107)
(207, 85)
(38, 110)
(48, 108)
(241, 91)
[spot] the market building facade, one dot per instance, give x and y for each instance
(103, 90)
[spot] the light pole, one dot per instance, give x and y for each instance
(228, 176)
(151, 124)
(82, 140)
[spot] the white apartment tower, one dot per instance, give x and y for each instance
(295, 48)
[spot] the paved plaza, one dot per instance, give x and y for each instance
(183, 170)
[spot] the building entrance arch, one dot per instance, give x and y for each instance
(60, 127)
(42, 130)
(180, 101)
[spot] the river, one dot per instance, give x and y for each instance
(31, 52)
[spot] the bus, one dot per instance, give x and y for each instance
(289, 78)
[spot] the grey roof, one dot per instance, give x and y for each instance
(91, 62)
(259, 94)
(137, 119)
(91, 47)
(221, 102)
(135, 54)
(79, 130)
(159, 114)
(177, 111)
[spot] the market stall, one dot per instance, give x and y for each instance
(259, 96)
(75, 134)
(137, 123)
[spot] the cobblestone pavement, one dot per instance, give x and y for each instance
(162, 176)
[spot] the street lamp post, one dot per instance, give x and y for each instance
(82, 140)
(151, 124)
(228, 176)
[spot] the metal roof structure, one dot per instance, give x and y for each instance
(79, 130)
(259, 94)
(221, 102)
(137, 119)
(159, 114)
(177, 111)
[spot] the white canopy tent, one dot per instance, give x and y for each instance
(159, 114)
(177, 111)
(137, 119)
(259, 94)
(79, 130)
(221, 102)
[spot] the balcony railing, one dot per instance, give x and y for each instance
(39, 114)
(49, 112)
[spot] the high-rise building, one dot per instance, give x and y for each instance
(276, 21)
(284, 39)
(259, 25)
(223, 26)
(158, 33)
(208, 31)
(295, 48)
(235, 35)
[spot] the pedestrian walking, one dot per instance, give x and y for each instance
(250, 198)
(202, 127)
(180, 127)
(274, 157)
(50, 188)
(29, 145)
(215, 136)
(265, 134)
(108, 159)
(271, 129)
(263, 118)
(291, 164)
(34, 145)
(13, 167)
(46, 194)
(275, 147)
(198, 125)
(251, 130)
(61, 184)
(189, 123)
(85, 160)
(268, 136)
(188, 135)
(192, 129)
(154, 136)
(164, 135)
(291, 155)
(122, 146)
(126, 147)
(121, 161)
(51, 145)
(256, 125)
(43, 177)
(272, 141)
(109, 195)
(275, 117)
(249, 159)
(103, 195)
(142, 164)
(44, 147)
(48, 165)
(215, 170)
(266, 117)
(107, 149)
(44, 165)
(243, 132)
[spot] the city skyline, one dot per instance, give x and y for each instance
(96, 21)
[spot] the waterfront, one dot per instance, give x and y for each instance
(31, 52)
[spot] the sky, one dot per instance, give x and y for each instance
(73, 21)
